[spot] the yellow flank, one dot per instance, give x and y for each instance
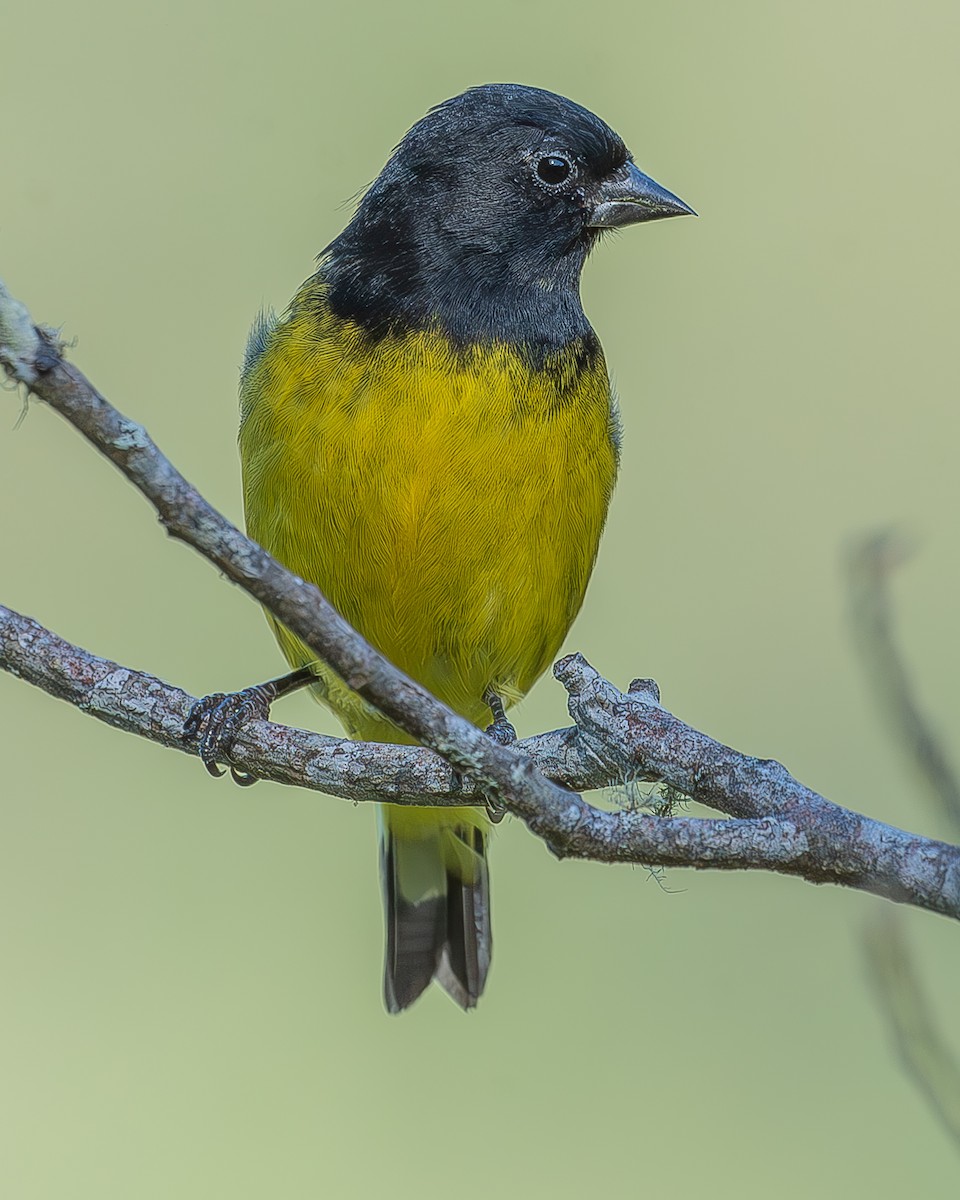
(447, 500)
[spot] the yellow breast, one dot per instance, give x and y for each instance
(448, 501)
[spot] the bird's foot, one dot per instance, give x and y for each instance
(216, 720)
(501, 731)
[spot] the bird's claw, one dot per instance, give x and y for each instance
(495, 810)
(216, 720)
(501, 732)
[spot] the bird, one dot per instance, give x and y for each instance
(429, 435)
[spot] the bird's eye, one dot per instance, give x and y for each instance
(554, 169)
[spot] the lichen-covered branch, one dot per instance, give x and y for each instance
(776, 824)
(780, 825)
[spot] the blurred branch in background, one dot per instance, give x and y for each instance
(871, 563)
(777, 824)
(922, 1050)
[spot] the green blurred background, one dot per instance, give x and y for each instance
(191, 972)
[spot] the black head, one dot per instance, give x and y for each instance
(483, 217)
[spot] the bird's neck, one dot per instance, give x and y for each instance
(473, 296)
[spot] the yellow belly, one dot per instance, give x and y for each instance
(449, 502)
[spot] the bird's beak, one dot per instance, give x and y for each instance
(628, 196)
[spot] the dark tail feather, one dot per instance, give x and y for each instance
(445, 935)
(465, 958)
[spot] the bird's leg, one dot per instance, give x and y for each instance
(504, 734)
(216, 720)
(501, 731)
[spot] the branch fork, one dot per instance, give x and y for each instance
(771, 821)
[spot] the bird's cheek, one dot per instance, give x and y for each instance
(584, 208)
